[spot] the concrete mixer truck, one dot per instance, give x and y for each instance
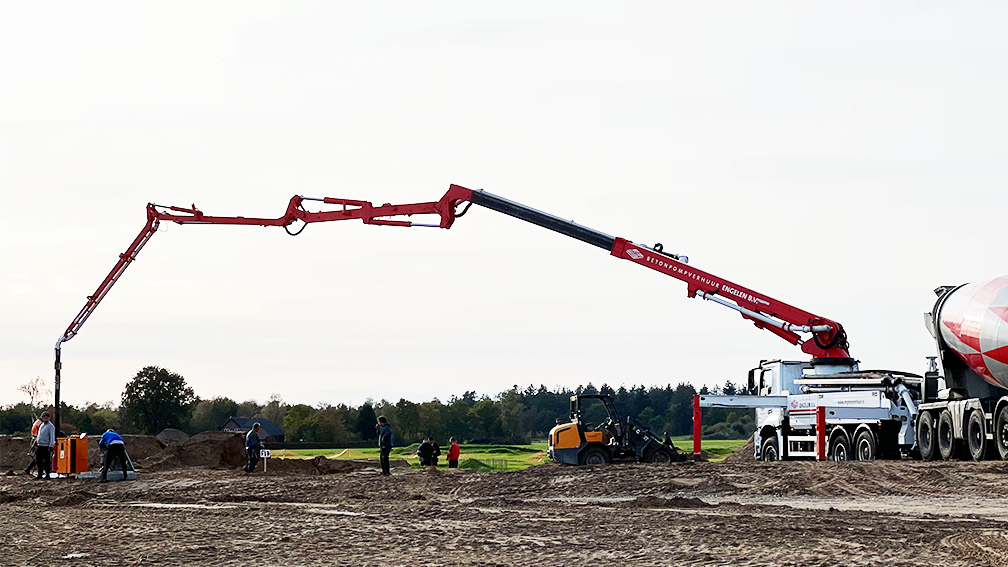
(965, 406)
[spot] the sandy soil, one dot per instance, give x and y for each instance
(321, 512)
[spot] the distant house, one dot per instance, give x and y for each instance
(244, 424)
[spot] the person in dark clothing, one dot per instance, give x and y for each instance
(436, 453)
(114, 447)
(252, 447)
(384, 444)
(426, 453)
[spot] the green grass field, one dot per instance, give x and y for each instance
(493, 457)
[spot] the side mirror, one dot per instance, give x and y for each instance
(752, 380)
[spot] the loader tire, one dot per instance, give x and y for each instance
(927, 441)
(1001, 432)
(660, 455)
(595, 456)
(976, 437)
(946, 435)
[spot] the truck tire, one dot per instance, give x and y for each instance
(769, 450)
(595, 456)
(1001, 431)
(927, 440)
(946, 435)
(660, 455)
(864, 445)
(976, 437)
(839, 447)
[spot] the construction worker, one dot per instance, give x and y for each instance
(252, 447)
(34, 445)
(114, 447)
(45, 442)
(384, 444)
(453, 454)
(426, 453)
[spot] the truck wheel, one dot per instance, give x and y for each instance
(660, 455)
(864, 445)
(926, 441)
(595, 456)
(976, 437)
(839, 449)
(946, 435)
(769, 450)
(1001, 432)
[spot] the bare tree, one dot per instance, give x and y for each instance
(35, 389)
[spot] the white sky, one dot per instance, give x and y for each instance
(844, 158)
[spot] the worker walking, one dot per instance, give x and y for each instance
(114, 447)
(384, 444)
(34, 445)
(45, 442)
(453, 454)
(252, 447)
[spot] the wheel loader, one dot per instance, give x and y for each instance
(615, 439)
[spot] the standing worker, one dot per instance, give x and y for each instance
(252, 446)
(114, 447)
(453, 454)
(384, 444)
(34, 445)
(45, 441)
(425, 452)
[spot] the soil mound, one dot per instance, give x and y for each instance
(138, 447)
(318, 465)
(170, 436)
(14, 452)
(659, 502)
(743, 453)
(209, 449)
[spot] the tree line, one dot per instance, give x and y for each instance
(157, 398)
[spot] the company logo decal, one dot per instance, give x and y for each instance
(635, 254)
(794, 403)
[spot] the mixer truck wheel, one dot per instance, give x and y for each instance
(769, 450)
(864, 445)
(1001, 432)
(976, 437)
(926, 441)
(946, 435)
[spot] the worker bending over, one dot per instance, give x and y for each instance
(114, 447)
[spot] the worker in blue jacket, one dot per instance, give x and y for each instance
(114, 447)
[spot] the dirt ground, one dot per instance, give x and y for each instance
(320, 512)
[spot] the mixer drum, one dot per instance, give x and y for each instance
(973, 322)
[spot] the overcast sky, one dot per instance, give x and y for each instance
(844, 158)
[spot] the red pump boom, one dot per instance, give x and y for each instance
(786, 321)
